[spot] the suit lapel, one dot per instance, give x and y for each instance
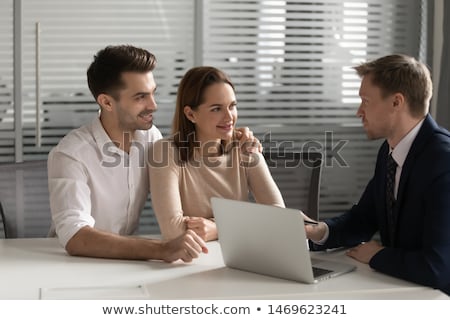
(382, 161)
(417, 146)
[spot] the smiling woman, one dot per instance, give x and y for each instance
(203, 159)
(205, 110)
(216, 116)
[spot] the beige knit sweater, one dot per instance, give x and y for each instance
(185, 190)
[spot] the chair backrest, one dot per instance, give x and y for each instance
(298, 177)
(25, 199)
(3, 232)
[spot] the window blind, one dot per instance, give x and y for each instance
(291, 64)
(6, 82)
(70, 33)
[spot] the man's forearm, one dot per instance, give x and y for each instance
(90, 242)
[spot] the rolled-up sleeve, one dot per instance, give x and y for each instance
(70, 201)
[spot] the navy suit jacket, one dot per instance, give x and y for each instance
(420, 250)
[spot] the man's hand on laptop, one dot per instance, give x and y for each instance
(186, 247)
(315, 230)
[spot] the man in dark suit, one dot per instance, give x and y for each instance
(411, 208)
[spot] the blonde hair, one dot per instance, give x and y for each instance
(403, 74)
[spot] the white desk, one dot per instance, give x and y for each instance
(40, 268)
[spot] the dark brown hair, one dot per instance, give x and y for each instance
(191, 93)
(104, 75)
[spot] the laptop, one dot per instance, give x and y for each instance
(269, 240)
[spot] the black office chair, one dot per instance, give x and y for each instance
(24, 198)
(4, 233)
(298, 177)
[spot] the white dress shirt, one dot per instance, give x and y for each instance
(94, 183)
(399, 153)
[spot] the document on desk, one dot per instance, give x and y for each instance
(94, 293)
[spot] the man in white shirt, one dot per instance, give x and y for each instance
(407, 200)
(98, 175)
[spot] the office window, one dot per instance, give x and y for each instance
(60, 38)
(291, 62)
(6, 82)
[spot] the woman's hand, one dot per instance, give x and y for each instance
(203, 227)
(247, 141)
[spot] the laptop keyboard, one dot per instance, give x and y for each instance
(318, 272)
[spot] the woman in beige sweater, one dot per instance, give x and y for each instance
(204, 159)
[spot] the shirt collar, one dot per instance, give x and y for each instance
(104, 141)
(400, 152)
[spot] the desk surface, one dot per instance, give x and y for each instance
(41, 269)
